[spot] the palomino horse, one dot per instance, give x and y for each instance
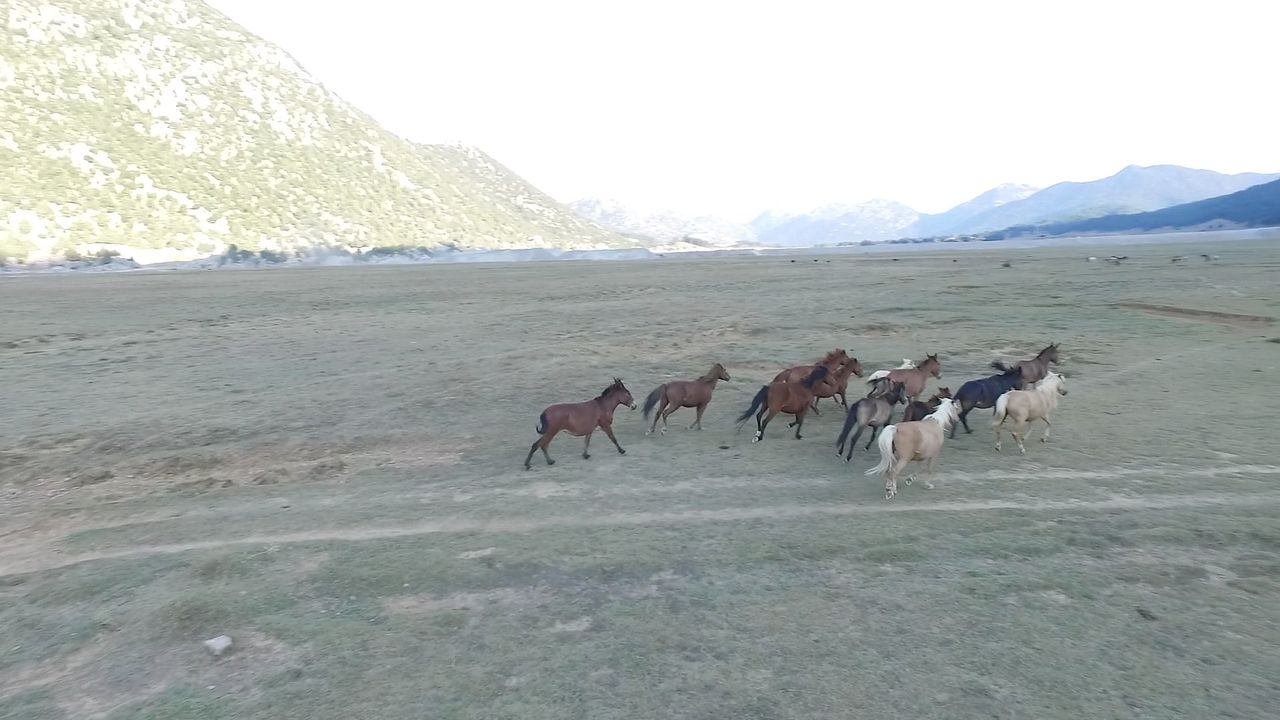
(830, 361)
(920, 440)
(683, 393)
(914, 379)
(837, 384)
(1035, 369)
(983, 393)
(917, 410)
(1023, 406)
(907, 364)
(874, 411)
(581, 419)
(782, 397)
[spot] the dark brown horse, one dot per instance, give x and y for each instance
(782, 397)
(830, 361)
(582, 419)
(914, 379)
(836, 384)
(917, 410)
(683, 393)
(1035, 369)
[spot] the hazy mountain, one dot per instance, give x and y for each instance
(871, 221)
(1257, 206)
(1133, 189)
(663, 226)
(163, 125)
(954, 219)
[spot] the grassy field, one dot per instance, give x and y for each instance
(325, 464)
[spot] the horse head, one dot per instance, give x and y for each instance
(718, 372)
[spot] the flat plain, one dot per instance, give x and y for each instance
(325, 464)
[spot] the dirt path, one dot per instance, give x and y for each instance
(46, 556)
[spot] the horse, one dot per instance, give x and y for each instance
(1024, 406)
(782, 397)
(914, 379)
(837, 383)
(907, 364)
(674, 395)
(581, 419)
(917, 410)
(1035, 369)
(919, 440)
(874, 411)
(983, 393)
(830, 361)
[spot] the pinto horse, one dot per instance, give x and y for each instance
(1033, 370)
(581, 419)
(672, 396)
(983, 393)
(782, 397)
(1020, 407)
(914, 379)
(920, 440)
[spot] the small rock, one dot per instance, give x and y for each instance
(218, 645)
(1146, 614)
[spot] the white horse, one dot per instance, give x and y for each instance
(917, 440)
(1024, 406)
(906, 365)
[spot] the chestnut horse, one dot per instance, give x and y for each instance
(837, 383)
(917, 410)
(1035, 369)
(907, 364)
(1023, 406)
(920, 440)
(782, 397)
(830, 361)
(914, 379)
(674, 395)
(581, 419)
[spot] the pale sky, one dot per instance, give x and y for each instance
(738, 107)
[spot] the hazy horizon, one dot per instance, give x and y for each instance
(734, 109)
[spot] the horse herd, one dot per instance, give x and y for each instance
(1020, 394)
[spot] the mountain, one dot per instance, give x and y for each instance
(662, 226)
(870, 221)
(164, 127)
(954, 219)
(1133, 189)
(1258, 206)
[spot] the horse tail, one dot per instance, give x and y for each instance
(850, 419)
(1002, 403)
(1001, 366)
(877, 375)
(542, 423)
(652, 400)
(885, 443)
(756, 402)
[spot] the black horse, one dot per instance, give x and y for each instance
(983, 393)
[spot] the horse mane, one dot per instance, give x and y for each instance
(831, 356)
(710, 374)
(816, 376)
(1049, 347)
(945, 415)
(617, 383)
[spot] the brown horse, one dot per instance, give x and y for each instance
(1035, 369)
(914, 379)
(782, 397)
(683, 393)
(837, 384)
(581, 419)
(917, 410)
(920, 440)
(830, 361)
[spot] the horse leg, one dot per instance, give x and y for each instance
(1018, 433)
(586, 447)
(997, 429)
(814, 406)
(698, 422)
(800, 422)
(762, 424)
(608, 430)
(875, 430)
(1047, 425)
(965, 409)
(853, 442)
(662, 405)
(542, 443)
(928, 470)
(666, 414)
(891, 478)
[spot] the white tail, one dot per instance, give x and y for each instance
(1001, 403)
(877, 375)
(885, 443)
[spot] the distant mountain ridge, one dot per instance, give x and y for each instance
(163, 127)
(661, 226)
(872, 221)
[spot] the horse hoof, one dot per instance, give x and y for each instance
(910, 479)
(928, 486)
(889, 495)
(551, 462)
(586, 456)
(526, 467)
(621, 451)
